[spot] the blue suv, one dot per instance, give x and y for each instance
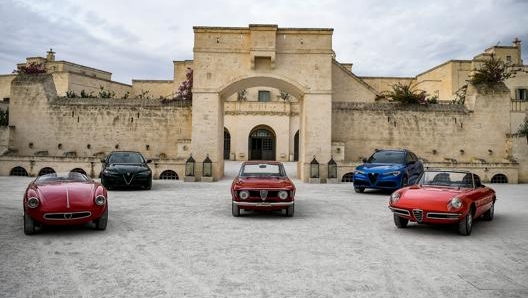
(387, 169)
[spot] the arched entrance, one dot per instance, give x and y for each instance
(227, 144)
(262, 143)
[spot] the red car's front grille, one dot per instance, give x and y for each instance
(67, 216)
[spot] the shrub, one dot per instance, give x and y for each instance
(33, 68)
(406, 94)
(492, 72)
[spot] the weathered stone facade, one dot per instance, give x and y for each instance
(299, 103)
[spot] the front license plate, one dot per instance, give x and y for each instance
(264, 204)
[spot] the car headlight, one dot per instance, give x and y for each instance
(283, 195)
(109, 172)
(244, 194)
(100, 200)
(454, 203)
(145, 173)
(33, 202)
(359, 172)
(394, 197)
(393, 173)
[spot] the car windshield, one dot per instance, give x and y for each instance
(62, 177)
(262, 169)
(125, 157)
(387, 157)
(447, 178)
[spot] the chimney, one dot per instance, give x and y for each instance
(50, 56)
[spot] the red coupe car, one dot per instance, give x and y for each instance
(64, 199)
(262, 185)
(443, 197)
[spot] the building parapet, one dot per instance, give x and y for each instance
(383, 106)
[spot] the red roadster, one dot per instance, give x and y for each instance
(262, 185)
(443, 197)
(64, 199)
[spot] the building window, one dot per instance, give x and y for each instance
(508, 58)
(521, 94)
(264, 95)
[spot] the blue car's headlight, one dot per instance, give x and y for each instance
(393, 173)
(359, 172)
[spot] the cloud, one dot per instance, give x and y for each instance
(138, 40)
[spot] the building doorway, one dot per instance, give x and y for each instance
(261, 144)
(227, 144)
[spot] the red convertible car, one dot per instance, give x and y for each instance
(262, 185)
(443, 197)
(64, 199)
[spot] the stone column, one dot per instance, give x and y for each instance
(208, 132)
(315, 135)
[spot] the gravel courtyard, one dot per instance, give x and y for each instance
(180, 240)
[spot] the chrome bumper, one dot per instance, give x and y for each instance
(263, 204)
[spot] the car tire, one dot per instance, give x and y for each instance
(29, 225)
(148, 186)
(488, 215)
(101, 222)
(235, 210)
(400, 222)
(466, 224)
(290, 210)
(359, 189)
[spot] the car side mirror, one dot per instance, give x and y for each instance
(364, 160)
(149, 160)
(103, 161)
(411, 162)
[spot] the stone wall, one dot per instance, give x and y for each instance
(45, 122)
(477, 133)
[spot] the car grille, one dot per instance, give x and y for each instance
(67, 216)
(447, 216)
(263, 194)
(418, 214)
(373, 177)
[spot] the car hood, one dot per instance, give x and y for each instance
(379, 167)
(426, 197)
(259, 182)
(126, 168)
(63, 194)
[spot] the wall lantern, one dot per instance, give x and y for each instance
(207, 167)
(332, 168)
(314, 168)
(189, 166)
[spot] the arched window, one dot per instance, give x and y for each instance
(348, 177)
(169, 175)
(18, 171)
(46, 170)
(499, 178)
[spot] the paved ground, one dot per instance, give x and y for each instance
(180, 240)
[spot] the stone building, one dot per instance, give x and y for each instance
(263, 92)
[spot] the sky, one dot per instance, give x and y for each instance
(139, 40)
